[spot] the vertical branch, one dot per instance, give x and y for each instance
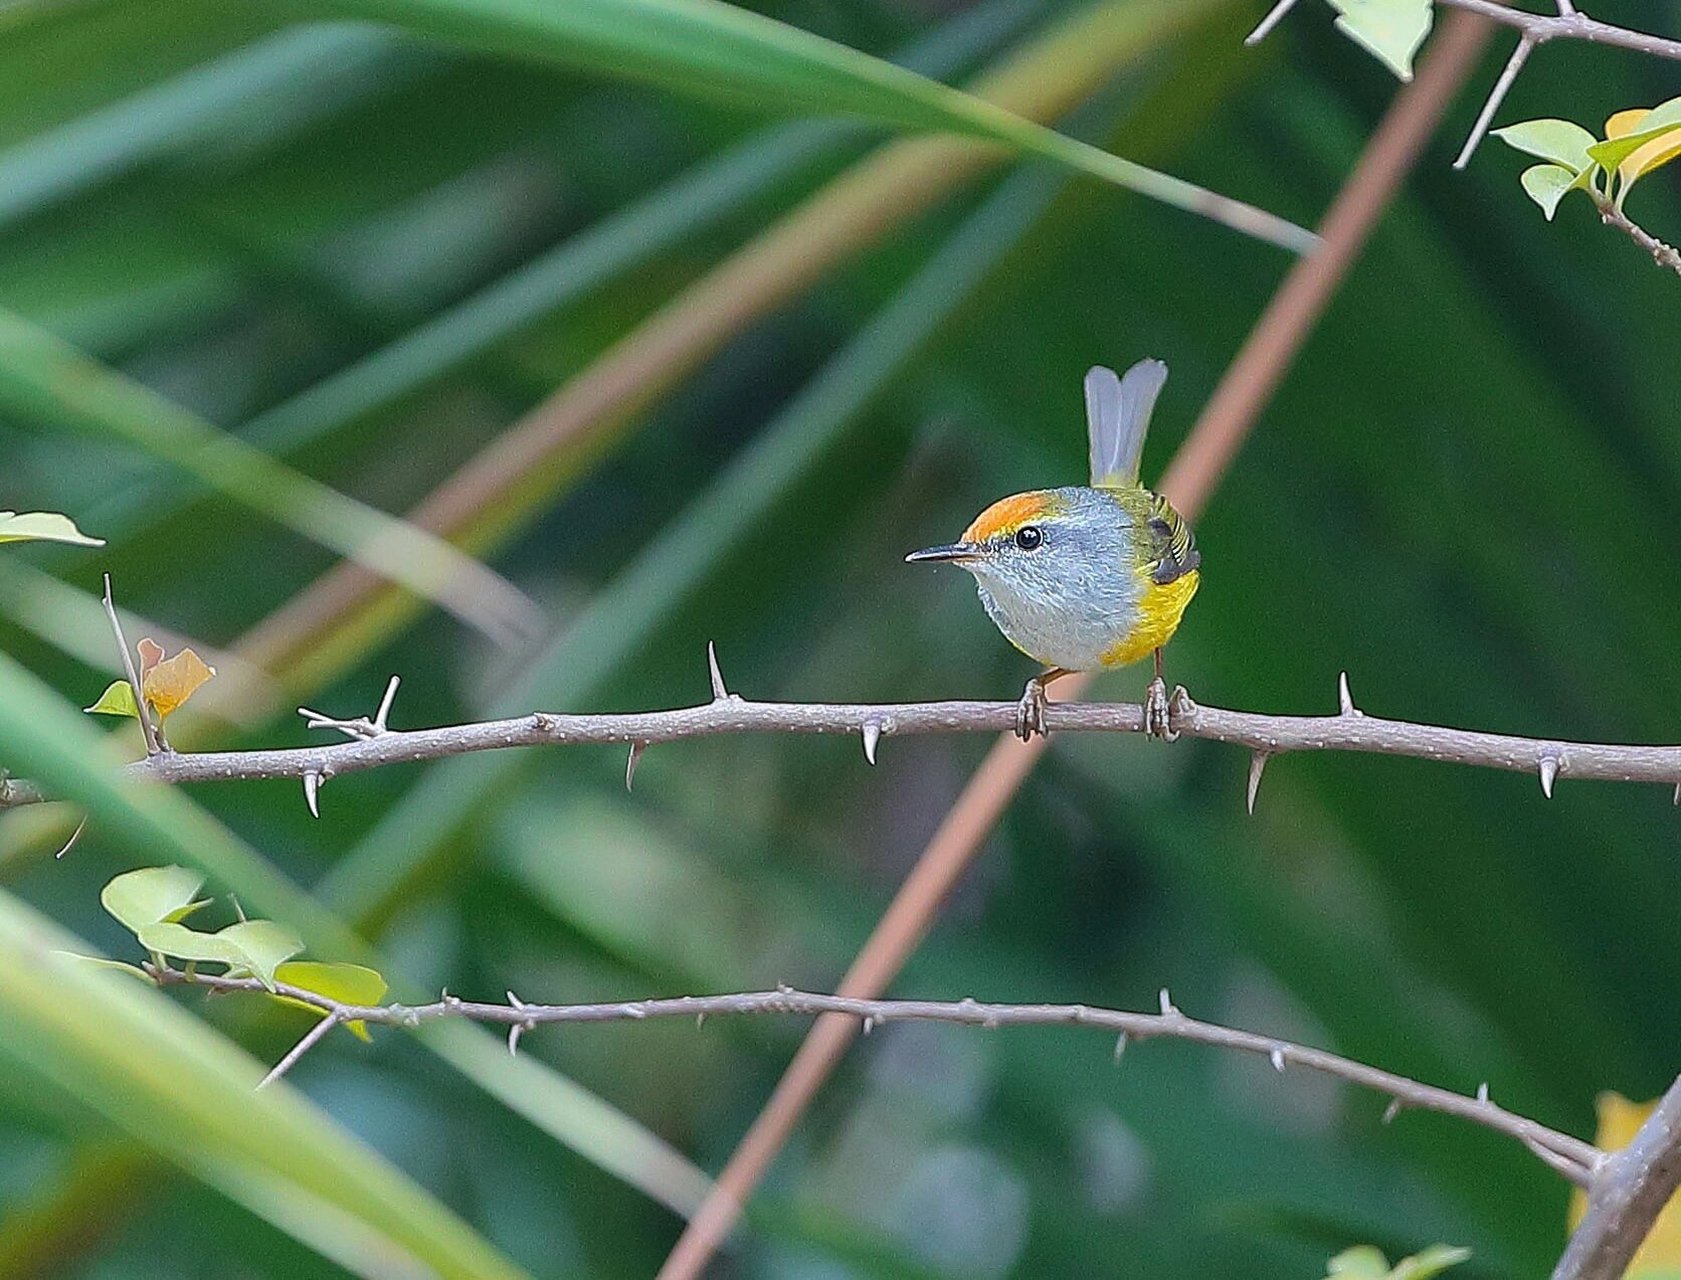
(1192, 477)
(1629, 1189)
(147, 732)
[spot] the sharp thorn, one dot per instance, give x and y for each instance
(386, 701)
(514, 1031)
(869, 1025)
(1391, 1111)
(719, 692)
(1277, 1056)
(1120, 1045)
(312, 792)
(700, 1021)
(1345, 699)
(74, 836)
(635, 758)
(1273, 18)
(1677, 799)
(1257, 762)
(1482, 1093)
(1167, 1004)
(1548, 768)
(872, 735)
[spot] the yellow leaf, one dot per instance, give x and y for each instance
(1619, 1121)
(170, 682)
(1625, 122)
(1651, 155)
(43, 526)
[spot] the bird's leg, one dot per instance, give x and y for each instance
(1156, 722)
(1030, 711)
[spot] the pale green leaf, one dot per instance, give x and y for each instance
(43, 526)
(150, 895)
(1431, 1262)
(117, 700)
(266, 943)
(181, 943)
(1362, 1262)
(346, 983)
(1391, 30)
(1561, 141)
(1546, 185)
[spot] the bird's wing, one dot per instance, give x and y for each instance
(1117, 416)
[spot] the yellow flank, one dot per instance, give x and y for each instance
(1158, 618)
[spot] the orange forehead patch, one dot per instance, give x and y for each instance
(1005, 516)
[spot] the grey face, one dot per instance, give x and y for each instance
(1065, 593)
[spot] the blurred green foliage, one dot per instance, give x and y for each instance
(371, 254)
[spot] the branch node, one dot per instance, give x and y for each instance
(312, 792)
(632, 760)
(871, 731)
(1257, 762)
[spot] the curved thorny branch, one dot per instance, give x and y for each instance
(1569, 1156)
(373, 744)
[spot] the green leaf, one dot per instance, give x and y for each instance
(1363, 1262)
(718, 49)
(117, 700)
(267, 944)
(1613, 151)
(1561, 141)
(155, 1070)
(1547, 184)
(43, 526)
(251, 947)
(1433, 1261)
(1391, 30)
(346, 983)
(150, 895)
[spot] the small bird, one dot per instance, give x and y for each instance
(1082, 579)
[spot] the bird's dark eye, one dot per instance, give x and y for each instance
(1029, 536)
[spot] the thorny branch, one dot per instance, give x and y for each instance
(1570, 1156)
(374, 745)
(1534, 29)
(1663, 254)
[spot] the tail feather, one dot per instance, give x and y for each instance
(1118, 416)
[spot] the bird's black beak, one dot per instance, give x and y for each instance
(953, 551)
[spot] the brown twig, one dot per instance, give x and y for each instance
(727, 713)
(1664, 255)
(1575, 1158)
(1190, 480)
(147, 730)
(1626, 1193)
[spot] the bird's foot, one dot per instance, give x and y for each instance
(1158, 720)
(1030, 711)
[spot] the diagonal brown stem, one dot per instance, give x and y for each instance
(1189, 482)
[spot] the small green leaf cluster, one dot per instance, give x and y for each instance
(153, 902)
(1636, 142)
(1364, 1262)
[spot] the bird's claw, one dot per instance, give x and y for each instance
(1158, 721)
(1030, 711)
